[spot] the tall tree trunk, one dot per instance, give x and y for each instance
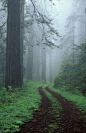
(44, 64)
(85, 25)
(13, 53)
(73, 42)
(38, 63)
(50, 68)
(30, 63)
(21, 34)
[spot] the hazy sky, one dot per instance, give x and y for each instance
(58, 10)
(64, 8)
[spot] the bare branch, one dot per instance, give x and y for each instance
(2, 9)
(2, 25)
(39, 12)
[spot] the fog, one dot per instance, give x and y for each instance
(65, 17)
(42, 66)
(52, 31)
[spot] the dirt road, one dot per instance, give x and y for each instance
(70, 119)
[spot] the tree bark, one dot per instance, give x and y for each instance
(21, 34)
(13, 51)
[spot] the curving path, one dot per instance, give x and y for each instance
(71, 119)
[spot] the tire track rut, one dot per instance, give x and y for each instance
(72, 120)
(41, 118)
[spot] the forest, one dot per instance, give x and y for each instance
(42, 66)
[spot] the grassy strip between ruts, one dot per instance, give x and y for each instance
(56, 109)
(17, 106)
(78, 99)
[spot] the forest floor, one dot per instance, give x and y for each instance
(45, 120)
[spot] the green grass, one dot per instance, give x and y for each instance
(17, 106)
(52, 127)
(78, 99)
(56, 109)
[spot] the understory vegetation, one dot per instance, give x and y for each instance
(17, 106)
(72, 76)
(78, 99)
(71, 80)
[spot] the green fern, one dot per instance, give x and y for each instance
(17, 106)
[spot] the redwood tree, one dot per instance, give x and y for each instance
(13, 51)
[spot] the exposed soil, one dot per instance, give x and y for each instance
(71, 119)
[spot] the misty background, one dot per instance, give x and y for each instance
(42, 49)
(68, 19)
(52, 31)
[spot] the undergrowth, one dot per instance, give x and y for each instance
(77, 98)
(17, 105)
(72, 73)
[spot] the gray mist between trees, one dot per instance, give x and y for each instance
(36, 36)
